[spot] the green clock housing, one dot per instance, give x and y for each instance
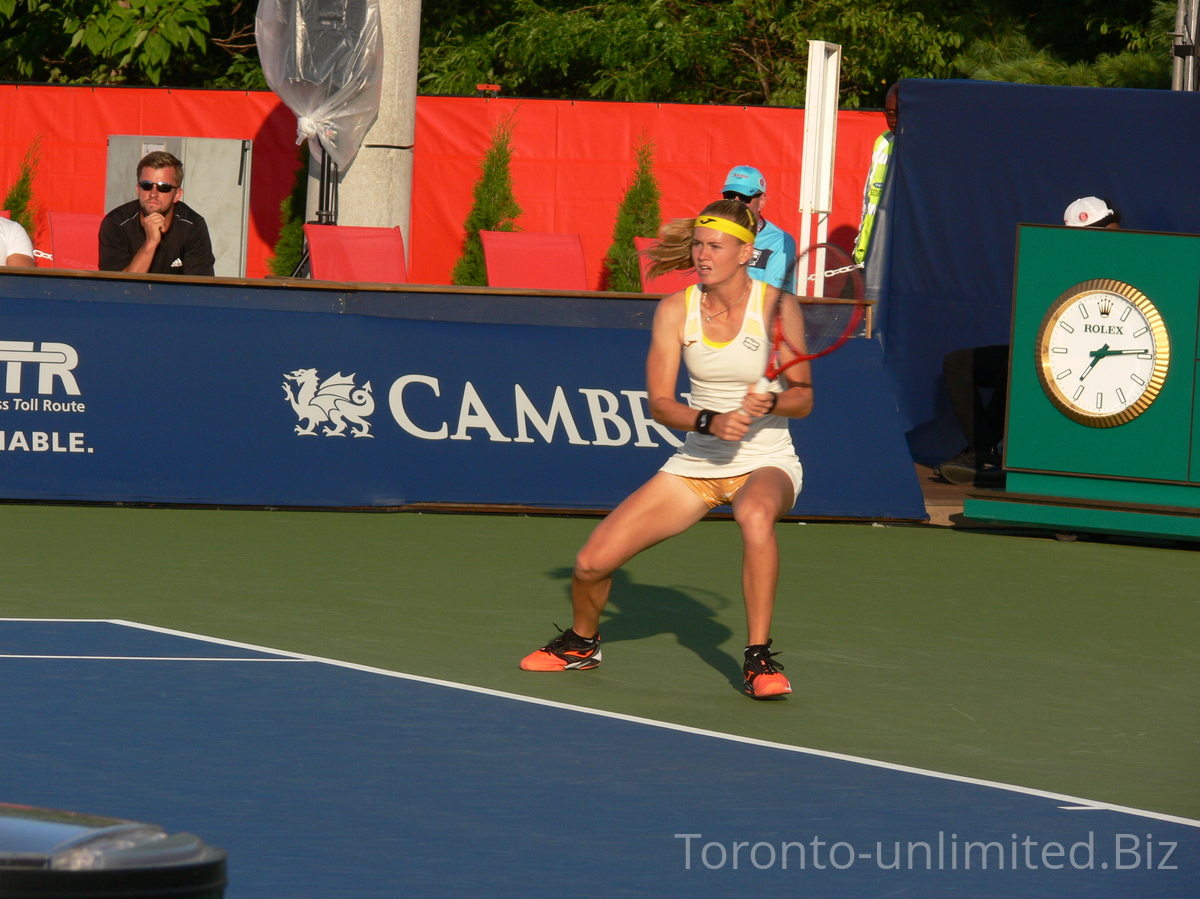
(1103, 430)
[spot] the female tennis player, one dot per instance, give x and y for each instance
(738, 449)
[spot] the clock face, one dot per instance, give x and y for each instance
(1102, 353)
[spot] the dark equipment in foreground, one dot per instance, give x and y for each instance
(67, 855)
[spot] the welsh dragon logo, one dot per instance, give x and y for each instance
(335, 400)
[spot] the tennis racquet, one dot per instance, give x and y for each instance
(827, 313)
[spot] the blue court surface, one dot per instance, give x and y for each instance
(325, 779)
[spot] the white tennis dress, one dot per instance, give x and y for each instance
(720, 375)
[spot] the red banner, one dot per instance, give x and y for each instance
(572, 161)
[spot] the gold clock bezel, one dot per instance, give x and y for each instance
(1162, 354)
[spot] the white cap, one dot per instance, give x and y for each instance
(1085, 212)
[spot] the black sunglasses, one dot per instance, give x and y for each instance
(164, 187)
(734, 195)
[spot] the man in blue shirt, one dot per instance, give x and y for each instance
(774, 259)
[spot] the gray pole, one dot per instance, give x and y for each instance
(376, 189)
(1184, 69)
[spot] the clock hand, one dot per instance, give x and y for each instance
(1096, 355)
(1124, 352)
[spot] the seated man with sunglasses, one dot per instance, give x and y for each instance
(157, 232)
(774, 259)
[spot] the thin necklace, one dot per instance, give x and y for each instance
(709, 318)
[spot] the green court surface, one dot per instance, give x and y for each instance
(1067, 667)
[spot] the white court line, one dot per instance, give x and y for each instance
(1073, 803)
(276, 655)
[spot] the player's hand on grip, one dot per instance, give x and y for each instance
(731, 425)
(756, 405)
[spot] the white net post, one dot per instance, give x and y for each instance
(820, 144)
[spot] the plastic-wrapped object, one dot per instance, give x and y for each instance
(324, 59)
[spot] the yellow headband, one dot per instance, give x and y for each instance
(720, 224)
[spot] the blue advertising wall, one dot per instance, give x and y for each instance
(228, 392)
(974, 159)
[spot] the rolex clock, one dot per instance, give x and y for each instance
(1103, 415)
(1102, 353)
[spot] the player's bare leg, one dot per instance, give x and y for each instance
(764, 499)
(662, 507)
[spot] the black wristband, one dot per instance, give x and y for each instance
(704, 421)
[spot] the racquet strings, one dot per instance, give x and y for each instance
(827, 326)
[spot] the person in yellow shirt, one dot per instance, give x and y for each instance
(873, 190)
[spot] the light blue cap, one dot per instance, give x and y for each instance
(746, 180)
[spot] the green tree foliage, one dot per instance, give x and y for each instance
(755, 51)
(244, 73)
(1140, 56)
(1073, 32)
(289, 249)
(19, 200)
(494, 208)
(701, 51)
(639, 215)
(183, 43)
(732, 51)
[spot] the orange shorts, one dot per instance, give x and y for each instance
(716, 491)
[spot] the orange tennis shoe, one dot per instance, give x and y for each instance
(763, 680)
(566, 651)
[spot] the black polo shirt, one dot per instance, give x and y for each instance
(185, 249)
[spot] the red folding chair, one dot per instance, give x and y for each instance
(356, 253)
(533, 261)
(664, 284)
(75, 240)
